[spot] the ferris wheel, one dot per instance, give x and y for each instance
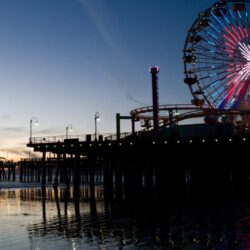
(217, 56)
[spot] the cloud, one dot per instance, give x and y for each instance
(110, 77)
(97, 12)
(5, 117)
(97, 16)
(130, 97)
(28, 154)
(12, 150)
(13, 129)
(48, 131)
(17, 152)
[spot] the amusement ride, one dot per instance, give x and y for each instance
(216, 67)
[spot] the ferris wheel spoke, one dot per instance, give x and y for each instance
(214, 37)
(246, 27)
(212, 64)
(239, 32)
(244, 20)
(200, 70)
(219, 51)
(235, 33)
(233, 91)
(224, 97)
(231, 16)
(232, 97)
(214, 53)
(212, 67)
(213, 58)
(217, 90)
(217, 74)
(218, 20)
(218, 57)
(215, 29)
(214, 83)
(226, 80)
(240, 95)
(219, 44)
(216, 50)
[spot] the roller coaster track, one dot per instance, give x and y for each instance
(184, 112)
(176, 107)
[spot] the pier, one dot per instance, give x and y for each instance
(144, 160)
(7, 170)
(169, 156)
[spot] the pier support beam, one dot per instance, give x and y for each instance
(57, 170)
(76, 174)
(44, 174)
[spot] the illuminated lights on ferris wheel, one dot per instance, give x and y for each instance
(217, 56)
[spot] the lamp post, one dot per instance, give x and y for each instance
(97, 118)
(31, 122)
(69, 126)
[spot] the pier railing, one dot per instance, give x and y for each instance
(81, 138)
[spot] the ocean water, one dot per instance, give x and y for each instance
(30, 221)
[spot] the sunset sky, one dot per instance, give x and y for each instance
(63, 60)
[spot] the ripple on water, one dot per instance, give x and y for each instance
(27, 222)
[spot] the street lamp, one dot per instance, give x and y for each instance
(69, 126)
(97, 118)
(36, 123)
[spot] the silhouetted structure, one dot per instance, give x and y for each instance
(147, 158)
(154, 71)
(144, 160)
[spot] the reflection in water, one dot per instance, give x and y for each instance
(95, 221)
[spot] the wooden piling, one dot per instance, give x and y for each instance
(44, 174)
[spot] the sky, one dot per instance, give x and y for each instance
(62, 61)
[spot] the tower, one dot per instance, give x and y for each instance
(154, 72)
